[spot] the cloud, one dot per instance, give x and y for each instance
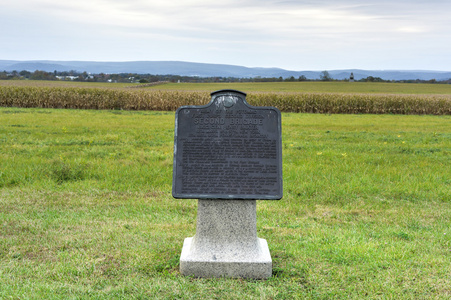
(411, 29)
(252, 20)
(249, 32)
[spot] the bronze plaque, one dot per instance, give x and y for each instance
(227, 149)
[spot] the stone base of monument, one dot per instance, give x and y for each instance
(226, 242)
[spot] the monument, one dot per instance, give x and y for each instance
(227, 154)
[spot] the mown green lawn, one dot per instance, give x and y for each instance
(315, 87)
(86, 209)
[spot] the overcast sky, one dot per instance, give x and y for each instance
(294, 35)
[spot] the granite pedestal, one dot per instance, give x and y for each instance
(226, 242)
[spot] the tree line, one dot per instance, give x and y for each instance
(150, 78)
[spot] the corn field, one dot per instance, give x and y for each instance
(134, 99)
(338, 103)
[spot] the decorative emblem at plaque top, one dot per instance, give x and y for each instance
(227, 98)
(229, 101)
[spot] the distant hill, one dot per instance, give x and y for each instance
(208, 70)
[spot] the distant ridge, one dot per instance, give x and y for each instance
(209, 70)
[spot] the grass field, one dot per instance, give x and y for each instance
(86, 209)
(316, 87)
